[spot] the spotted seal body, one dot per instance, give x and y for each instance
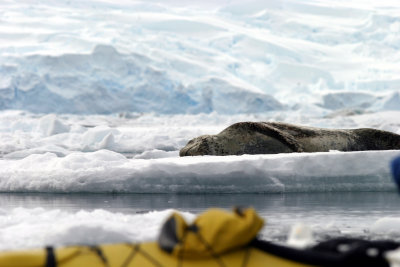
(275, 137)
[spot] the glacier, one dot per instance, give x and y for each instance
(98, 96)
(168, 57)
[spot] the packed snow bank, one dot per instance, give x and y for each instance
(387, 226)
(106, 171)
(150, 135)
(33, 228)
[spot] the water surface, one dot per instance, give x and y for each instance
(328, 214)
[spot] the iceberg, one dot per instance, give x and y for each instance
(105, 171)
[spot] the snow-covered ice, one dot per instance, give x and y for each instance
(105, 171)
(73, 153)
(82, 227)
(114, 154)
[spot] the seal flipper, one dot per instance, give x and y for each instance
(282, 136)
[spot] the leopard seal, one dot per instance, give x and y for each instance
(277, 137)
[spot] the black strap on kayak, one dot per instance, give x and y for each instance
(363, 253)
(150, 258)
(297, 255)
(100, 254)
(50, 257)
(136, 249)
(358, 252)
(246, 258)
(194, 228)
(216, 257)
(180, 253)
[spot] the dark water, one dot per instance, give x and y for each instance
(301, 204)
(328, 214)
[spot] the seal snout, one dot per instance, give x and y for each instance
(196, 147)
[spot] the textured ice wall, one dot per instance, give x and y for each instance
(104, 171)
(171, 57)
(106, 81)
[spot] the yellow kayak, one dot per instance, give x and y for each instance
(145, 254)
(216, 238)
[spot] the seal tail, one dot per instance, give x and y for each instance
(395, 167)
